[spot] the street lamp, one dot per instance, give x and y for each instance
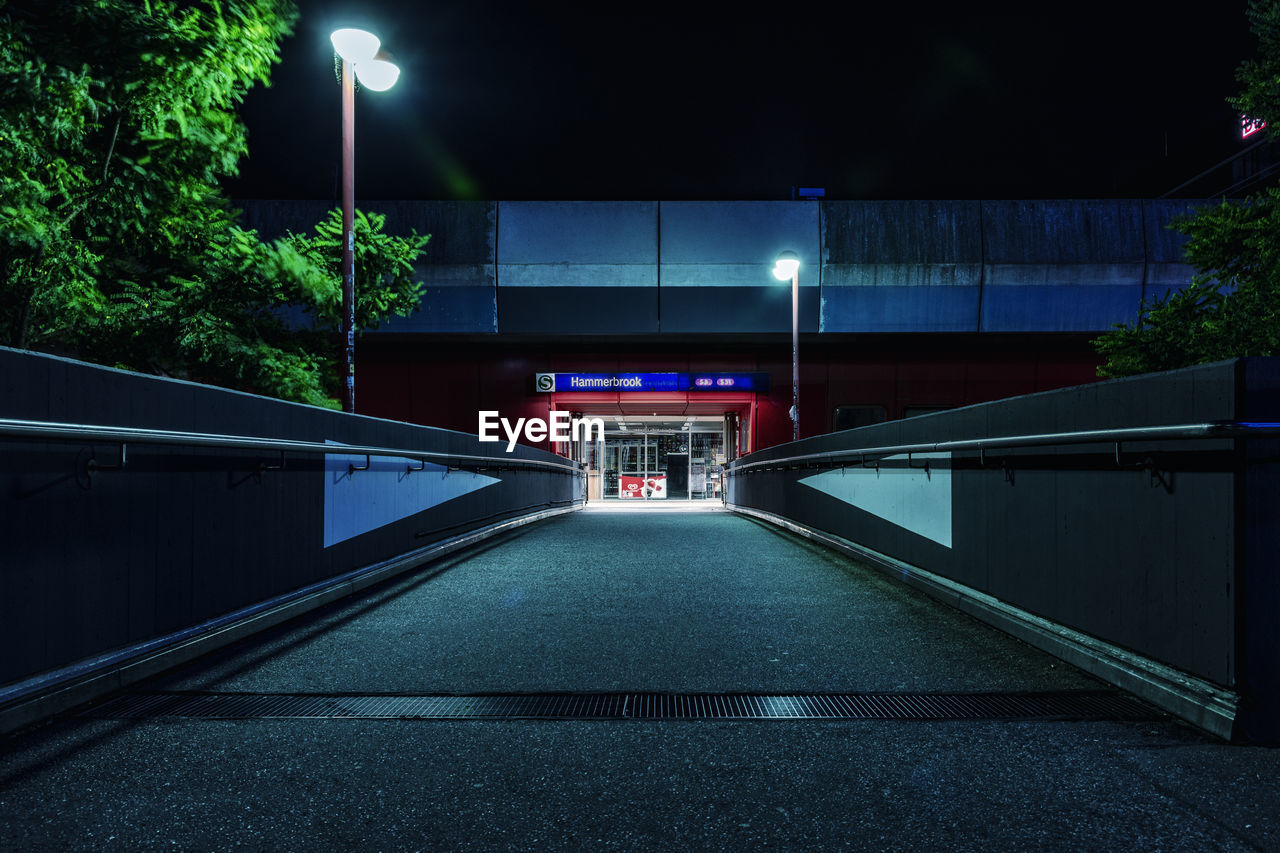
(360, 59)
(787, 266)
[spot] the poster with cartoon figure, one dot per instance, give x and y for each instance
(634, 486)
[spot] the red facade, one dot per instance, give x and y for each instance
(446, 383)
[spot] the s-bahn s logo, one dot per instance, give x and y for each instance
(544, 382)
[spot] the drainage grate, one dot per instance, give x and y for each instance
(1077, 705)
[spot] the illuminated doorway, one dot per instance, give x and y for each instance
(649, 458)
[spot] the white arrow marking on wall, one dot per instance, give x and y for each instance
(913, 498)
(360, 501)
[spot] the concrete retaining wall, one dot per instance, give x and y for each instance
(1167, 556)
(100, 561)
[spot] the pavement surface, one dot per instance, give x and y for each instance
(646, 601)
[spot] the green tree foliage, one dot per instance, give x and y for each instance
(379, 258)
(1232, 307)
(117, 120)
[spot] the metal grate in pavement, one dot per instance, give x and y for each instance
(1074, 705)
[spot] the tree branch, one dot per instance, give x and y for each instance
(111, 149)
(115, 134)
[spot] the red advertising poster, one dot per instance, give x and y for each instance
(651, 487)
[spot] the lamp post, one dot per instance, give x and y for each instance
(360, 59)
(787, 266)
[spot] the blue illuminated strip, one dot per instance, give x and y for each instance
(617, 382)
(660, 382)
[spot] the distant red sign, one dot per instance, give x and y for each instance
(1250, 126)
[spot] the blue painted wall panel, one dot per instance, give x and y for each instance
(1058, 308)
(900, 309)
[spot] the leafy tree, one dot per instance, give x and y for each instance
(1232, 307)
(379, 257)
(117, 120)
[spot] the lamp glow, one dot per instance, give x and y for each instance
(786, 266)
(377, 74)
(355, 45)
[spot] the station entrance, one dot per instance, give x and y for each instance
(649, 458)
(666, 437)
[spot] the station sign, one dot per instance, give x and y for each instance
(651, 382)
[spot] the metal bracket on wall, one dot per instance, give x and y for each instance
(925, 467)
(351, 468)
(1009, 472)
(263, 466)
(91, 464)
(422, 466)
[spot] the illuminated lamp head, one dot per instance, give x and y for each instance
(372, 66)
(786, 266)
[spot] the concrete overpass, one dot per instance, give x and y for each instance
(653, 268)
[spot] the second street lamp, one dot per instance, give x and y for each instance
(787, 266)
(361, 60)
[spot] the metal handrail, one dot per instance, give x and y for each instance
(1210, 430)
(139, 435)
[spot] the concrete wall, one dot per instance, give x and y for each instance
(901, 266)
(717, 261)
(1169, 555)
(647, 267)
(103, 562)
(587, 264)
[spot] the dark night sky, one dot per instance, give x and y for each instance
(685, 100)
